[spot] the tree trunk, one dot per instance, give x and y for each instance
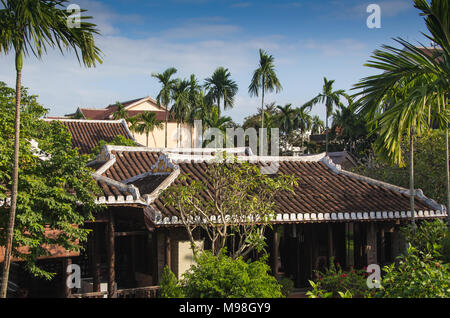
(411, 179)
(448, 175)
(167, 121)
(326, 135)
(262, 106)
(15, 179)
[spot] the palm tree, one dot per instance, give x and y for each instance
(214, 121)
(220, 86)
(287, 118)
(180, 97)
(33, 26)
(264, 79)
(147, 124)
(413, 89)
(303, 121)
(165, 93)
(133, 122)
(121, 112)
(317, 125)
(330, 98)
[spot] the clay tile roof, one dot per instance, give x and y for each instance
(86, 134)
(322, 187)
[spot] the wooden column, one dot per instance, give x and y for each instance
(95, 258)
(133, 258)
(66, 291)
(382, 246)
(330, 242)
(275, 251)
(111, 258)
(371, 247)
(168, 250)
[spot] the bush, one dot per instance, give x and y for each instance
(223, 277)
(417, 274)
(335, 282)
(430, 237)
(170, 287)
(287, 285)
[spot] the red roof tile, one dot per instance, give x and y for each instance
(86, 134)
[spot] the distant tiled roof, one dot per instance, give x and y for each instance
(86, 134)
(324, 193)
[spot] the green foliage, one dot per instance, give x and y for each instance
(418, 274)
(429, 238)
(170, 288)
(287, 285)
(224, 277)
(235, 189)
(56, 190)
(334, 282)
(429, 166)
(118, 140)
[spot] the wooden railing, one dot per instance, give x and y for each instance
(141, 292)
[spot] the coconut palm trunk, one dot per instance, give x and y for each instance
(262, 104)
(326, 135)
(15, 178)
(411, 179)
(167, 122)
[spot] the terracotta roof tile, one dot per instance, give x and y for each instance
(87, 134)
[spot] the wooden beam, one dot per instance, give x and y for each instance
(111, 258)
(130, 233)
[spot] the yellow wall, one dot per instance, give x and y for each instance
(157, 138)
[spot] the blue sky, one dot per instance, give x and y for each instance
(309, 40)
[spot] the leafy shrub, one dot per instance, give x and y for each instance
(170, 287)
(430, 237)
(287, 285)
(224, 277)
(418, 274)
(334, 282)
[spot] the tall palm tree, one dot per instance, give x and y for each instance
(264, 79)
(287, 118)
(32, 26)
(303, 121)
(413, 88)
(164, 96)
(317, 125)
(197, 102)
(147, 123)
(221, 87)
(121, 112)
(180, 107)
(133, 122)
(330, 98)
(213, 120)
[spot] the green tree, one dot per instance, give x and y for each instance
(120, 113)
(238, 195)
(264, 79)
(317, 125)
(427, 74)
(214, 121)
(164, 95)
(33, 26)
(220, 276)
(221, 87)
(56, 190)
(147, 123)
(330, 98)
(170, 288)
(181, 101)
